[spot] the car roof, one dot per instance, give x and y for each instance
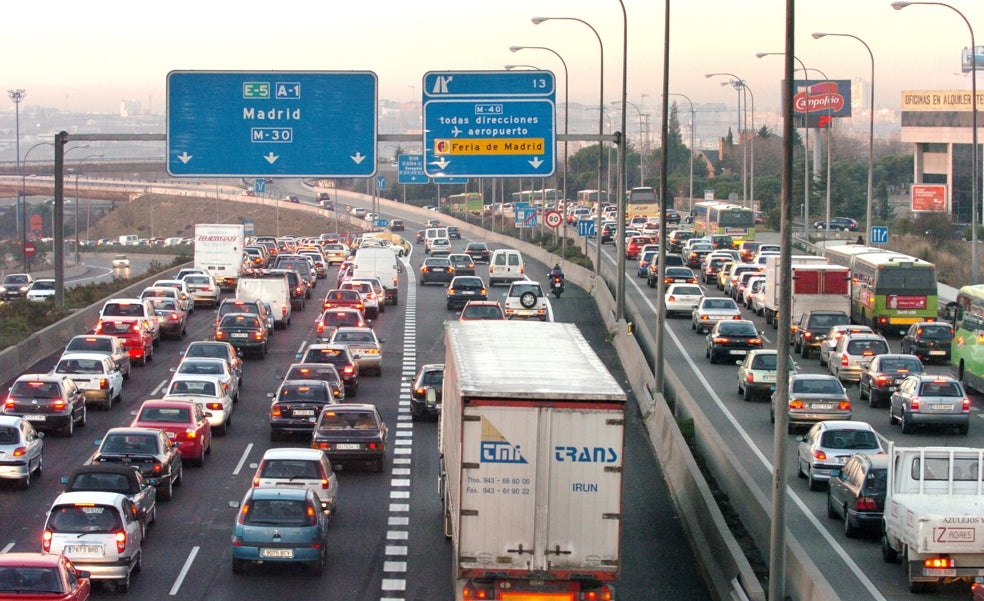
(277, 492)
(30, 559)
(103, 468)
(844, 424)
(293, 453)
(353, 408)
(89, 496)
(83, 355)
(10, 420)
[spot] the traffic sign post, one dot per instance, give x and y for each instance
(381, 223)
(380, 182)
(553, 218)
(259, 186)
(276, 123)
(489, 123)
(586, 228)
(879, 234)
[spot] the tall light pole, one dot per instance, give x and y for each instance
(601, 120)
(871, 128)
(17, 96)
(830, 128)
(739, 84)
(642, 144)
(78, 168)
(620, 241)
(806, 142)
(693, 125)
(566, 121)
(973, 172)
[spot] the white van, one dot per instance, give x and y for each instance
(272, 289)
(507, 265)
(432, 233)
(379, 263)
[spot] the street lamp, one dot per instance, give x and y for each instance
(17, 96)
(871, 128)
(642, 144)
(741, 86)
(566, 121)
(693, 125)
(973, 93)
(601, 119)
(816, 161)
(78, 168)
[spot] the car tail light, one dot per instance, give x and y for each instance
(190, 434)
(722, 340)
(243, 513)
(807, 335)
(59, 404)
(844, 361)
(216, 406)
(20, 451)
(883, 381)
(965, 405)
(158, 468)
(283, 311)
(219, 335)
(796, 404)
(321, 328)
(866, 504)
(46, 541)
(120, 541)
(819, 455)
(348, 369)
(312, 517)
(737, 317)
(424, 269)
(275, 411)
(844, 406)
(914, 404)
(757, 341)
(173, 317)
(258, 335)
(9, 404)
(103, 383)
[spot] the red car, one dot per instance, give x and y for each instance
(137, 338)
(344, 298)
(34, 576)
(635, 245)
(184, 422)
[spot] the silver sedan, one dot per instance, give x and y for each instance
(711, 310)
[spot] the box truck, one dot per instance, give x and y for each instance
(816, 285)
(219, 252)
(530, 462)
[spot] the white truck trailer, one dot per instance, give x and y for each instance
(816, 285)
(219, 252)
(531, 441)
(934, 514)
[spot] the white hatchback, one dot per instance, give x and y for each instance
(206, 391)
(299, 468)
(682, 298)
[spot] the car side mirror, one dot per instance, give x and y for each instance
(208, 413)
(270, 395)
(63, 480)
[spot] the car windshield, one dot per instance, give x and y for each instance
(937, 388)
(849, 439)
(285, 512)
(84, 519)
(817, 386)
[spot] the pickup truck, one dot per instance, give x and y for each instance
(933, 514)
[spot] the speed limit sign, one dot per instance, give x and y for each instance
(553, 218)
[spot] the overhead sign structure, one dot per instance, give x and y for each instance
(411, 169)
(274, 123)
(489, 123)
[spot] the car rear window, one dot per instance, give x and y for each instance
(310, 394)
(114, 328)
(849, 439)
(9, 435)
(719, 303)
(812, 386)
(132, 444)
(867, 347)
(34, 389)
(124, 309)
(736, 329)
(767, 362)
(276, 511)
(347, 420)
(193, 387)
(233, 320)
(940, 389)
(84, 518)
(828, 321)
(174, 415)
(290, 469)
(687, 290)
(901, 365)
(942, 333)
(327, 373)
(89, 344)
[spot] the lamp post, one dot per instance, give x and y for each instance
(739, 84)
(806, 143)
(620, 223)
(22, 222)
(871, 129)
(830, 126)
(78, 168)
(566, 121)
(693, 122)
(601, 118)
(643, 145)
(17, 96)
(973, 171)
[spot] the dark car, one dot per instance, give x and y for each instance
(731, 340)
(339, 356)
(15, 285)
(47, 401)
(464, 288)
(462, 263)
(676, 239)
(694, 257)
(296, 406)
(300, 264)
(299, 289)
(672, 217)
(173, 318)
(149, 450)
(430, 375)
(325, 372)
(678, 275)
(454, 233)
(652, 276)
(237, 305)
(930, 341)
(352, 432)
(436, 270)
(396, 225)
(882, 375)
(843, 224)
(813, 327)
(723, 242)
(217, 350)
(856, 493)
(479, 252)
(123, 479)
(245, 332)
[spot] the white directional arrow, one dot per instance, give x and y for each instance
(536, 162)
(455, 131)
(442, 163)
(358, 158)
(184, 157)
(271, 158)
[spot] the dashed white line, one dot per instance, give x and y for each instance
(242, 460)
(184, 571)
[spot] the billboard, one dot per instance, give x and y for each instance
(816, 98)
(967, 60)
(928, 197)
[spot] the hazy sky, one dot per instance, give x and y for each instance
(89, 55)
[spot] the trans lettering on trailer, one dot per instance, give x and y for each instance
(494, 448)
(585, 454)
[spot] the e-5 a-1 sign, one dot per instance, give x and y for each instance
(274, 123)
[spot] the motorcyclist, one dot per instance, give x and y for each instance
(557, 272)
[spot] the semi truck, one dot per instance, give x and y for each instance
(816, 285)
(934, 514)
(531, 463)
(219, 252)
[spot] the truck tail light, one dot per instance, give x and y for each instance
(103, 383)
(939, 563)
(602, 593)
(46, 541)
(120, 541)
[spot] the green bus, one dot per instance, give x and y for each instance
(889, 290)
(967, 348)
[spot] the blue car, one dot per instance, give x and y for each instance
(276, 525)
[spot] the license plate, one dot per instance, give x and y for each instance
(897, 382)
(937, 352)
(277, 553)
(824, 406)
(171, 434)
(304, 412)
(739, 352)
(348, 446)
(34, 418)
(83, 550)
(939, 572)
(768, 377)
(237, 335)
(947, 407)
(468, 293)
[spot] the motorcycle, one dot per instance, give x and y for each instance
(557, 285)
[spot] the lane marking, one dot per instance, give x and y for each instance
(184, 571)
(242, 460)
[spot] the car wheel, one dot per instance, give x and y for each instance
(861, 394)
(85, 417)
(823, 362)
(850, 530)
(831, 513)
(165, 491)
(123, 584)
(799, 469)
(804, 351)
(70, 429)
(889, 555)
(891, 415)
(813, 482)
(25, 482)
(905, 423)
(200, 460)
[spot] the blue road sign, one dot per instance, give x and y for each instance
(248, 227)
(259, 186)
(879, 234)
(450, 180)
(527, 218)
(411, 169)
(381, 223)
(380, 182)
(275, 123)
(586, 228)
(489, 123)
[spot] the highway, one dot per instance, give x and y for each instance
(386, 541)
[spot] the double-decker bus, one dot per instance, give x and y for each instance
(889, 290)
(716, 217)
(967, 349)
